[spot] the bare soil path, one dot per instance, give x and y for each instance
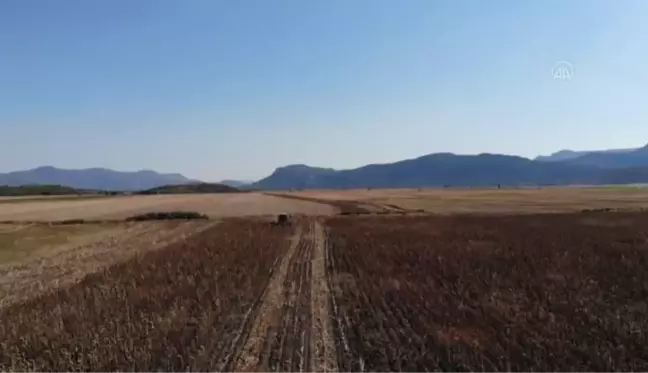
(292, 329)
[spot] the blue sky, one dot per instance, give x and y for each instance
(232, 89)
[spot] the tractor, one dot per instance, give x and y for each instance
(283, 219)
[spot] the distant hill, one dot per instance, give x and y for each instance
(92, 178)
(37, 190)
(446, 169)
(565, 155)
(295, 176)
(191, 188)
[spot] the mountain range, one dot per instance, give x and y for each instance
(92, 178)
(615, 166)
(623, 166)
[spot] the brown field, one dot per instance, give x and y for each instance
(536, 292)
(521, 200)
(188, 306)
(361, 293)
(214, 205)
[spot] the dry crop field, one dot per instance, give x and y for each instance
(234, 296)
(537, 292)
(466, 200)
(361, 293)
(215, 205)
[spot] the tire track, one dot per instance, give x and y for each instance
(251, 355)
(293, 330)
(290, 347)
(323, 341)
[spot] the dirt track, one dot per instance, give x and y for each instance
(215, 205)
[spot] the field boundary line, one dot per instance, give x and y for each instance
(268, 311)
(323, 342)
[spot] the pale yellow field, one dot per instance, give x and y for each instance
(548, 199)
(214, 205)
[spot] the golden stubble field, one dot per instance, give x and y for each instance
(519, 200)
(109, 208)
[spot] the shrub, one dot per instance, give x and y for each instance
(172, 215)
(72, 221)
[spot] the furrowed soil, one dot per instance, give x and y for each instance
(537, 292)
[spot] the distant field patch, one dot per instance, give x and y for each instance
(122, 207)
(510, 200)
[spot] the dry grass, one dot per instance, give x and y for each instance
(55, 261)
(214, 205)
(549, 199)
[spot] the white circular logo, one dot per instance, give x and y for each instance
(562, 70)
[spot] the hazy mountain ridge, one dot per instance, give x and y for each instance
(447, 169)
(430, 170)
(92, 178)
(615, 166)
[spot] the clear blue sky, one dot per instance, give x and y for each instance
(234, 88)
